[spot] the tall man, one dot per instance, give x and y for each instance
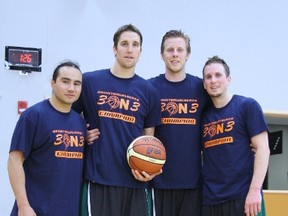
(122, 106)
(178, 189)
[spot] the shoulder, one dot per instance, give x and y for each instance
(78, 117)
(244, 99)
(94, 74)
(145, 85)
(39, 107)
(36, 111)
(156, 78)
(194, 78)
(89, 78)
(76, 114)
(246, 103)
(140, 80)
(156, 81)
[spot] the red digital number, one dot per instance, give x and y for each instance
(26, 58)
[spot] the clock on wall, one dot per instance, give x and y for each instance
(23, 58)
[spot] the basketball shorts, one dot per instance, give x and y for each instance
(117, 201)
(180, 202)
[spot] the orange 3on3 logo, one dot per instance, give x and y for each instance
(179, 106)
(70, 139)
(173, 106)
(119, 101)
(215, 128)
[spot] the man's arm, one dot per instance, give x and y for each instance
(260, 144)
(149, 131)
(17, 181)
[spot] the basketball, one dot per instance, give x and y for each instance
(146, 153)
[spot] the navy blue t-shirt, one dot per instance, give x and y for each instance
(121, 109)
(182, 104)
(228, 160)
(53, 144)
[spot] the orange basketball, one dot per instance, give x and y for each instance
(146, 153)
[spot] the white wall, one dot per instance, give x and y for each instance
(250, 35)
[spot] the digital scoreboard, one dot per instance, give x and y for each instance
(23, 58)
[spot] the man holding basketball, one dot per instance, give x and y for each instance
(123, 106)
(177, 190)
(233, 174)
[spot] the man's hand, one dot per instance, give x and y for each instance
(26, 211)
(253, 202)
(92, 135)
(143, 176)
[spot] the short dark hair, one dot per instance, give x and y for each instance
(216, 59)
(176, 34)
(126, 28)
(64, 64)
